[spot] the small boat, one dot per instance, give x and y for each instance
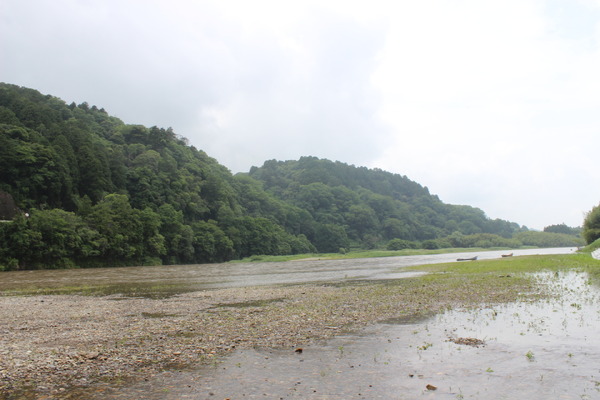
(507, 255)
(467, 259)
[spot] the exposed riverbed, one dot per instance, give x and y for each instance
(174, 345)
(540, 350)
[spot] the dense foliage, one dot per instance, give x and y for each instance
(79, 187)
(376, 207)
(372, 205)
(100, 192)
(591, 225)
(563, 228)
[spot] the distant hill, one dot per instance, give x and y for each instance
(370, 204)
(101, 192)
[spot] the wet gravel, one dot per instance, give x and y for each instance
(50, 345)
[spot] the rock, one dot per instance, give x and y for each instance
(431, 387)
(92, 355)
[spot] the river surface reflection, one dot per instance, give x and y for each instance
(229, 275)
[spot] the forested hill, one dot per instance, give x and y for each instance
(372, 205)
(79, 187)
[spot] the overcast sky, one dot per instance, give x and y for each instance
(493, 104)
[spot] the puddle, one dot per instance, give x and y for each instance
(542, 350)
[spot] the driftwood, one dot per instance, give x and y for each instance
(467, 259)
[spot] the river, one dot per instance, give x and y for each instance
(171, 279)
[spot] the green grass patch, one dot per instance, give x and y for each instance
(520, 264)
(595, 245)
(362, 254)
(465, 285)
(496, 280)
(449, 285)
(157, 291)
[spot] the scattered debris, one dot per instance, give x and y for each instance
(468, 341)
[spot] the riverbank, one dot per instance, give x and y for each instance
(63, 345)
(368, 254)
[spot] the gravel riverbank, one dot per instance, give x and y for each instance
(52, 344)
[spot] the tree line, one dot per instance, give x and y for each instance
(79, 187)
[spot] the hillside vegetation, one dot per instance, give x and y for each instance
(79, 187)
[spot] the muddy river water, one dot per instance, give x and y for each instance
(177, 278)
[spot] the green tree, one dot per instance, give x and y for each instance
(28, 167)
(395, 228)
(563, 228)
(49, 239)
(301, 245)
(129, 236)
(179, 238)
(316, 198)
(430, 244)
(329, 238)
(18, 243)
(65, 239)
(94, 171)
(153, 243)
(211, 244)
(548, 239)
(399, 244)
(591, 225)
(68, 170)
(361, 220)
